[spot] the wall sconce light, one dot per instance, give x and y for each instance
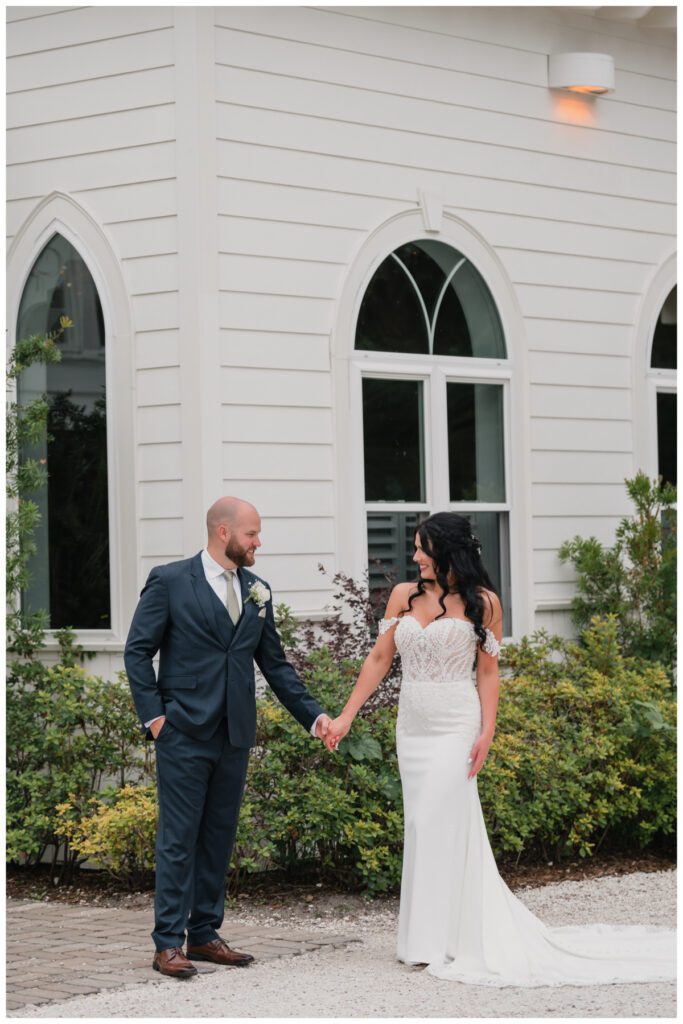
(588, 73)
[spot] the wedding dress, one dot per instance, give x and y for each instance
(456, 913)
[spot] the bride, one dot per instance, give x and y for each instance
(457, 915)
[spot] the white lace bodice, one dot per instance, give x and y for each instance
(437, 689)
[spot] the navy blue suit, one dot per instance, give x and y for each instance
(206, 690)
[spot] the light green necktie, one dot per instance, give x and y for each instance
(232, 602)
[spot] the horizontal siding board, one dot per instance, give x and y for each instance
(259, 89)
(102, 132)
(160, 462)
(136, 238)
(280, 498)
(452, 88)
(161, 500)
(553, 336)
(579, 402)
(86, 25)
(287, 239)
(277, 461)
(589, 435)
(152, 274)
(554, 591)
(159, 537)
(89, 170)
(295, 572)
(558, 269)
(95, 60)
(159, 424)
(297, 536)
(279, 276)
(580, 467)
(276, 387)
(155, 312)
(553, 368)
(157, 349)
(288, 425)
(427, 152)
(553, 531)
(81, 99)
(271, 350)
(158, 386)
(553, 303)
(263, 312)
(32, 13)
(579, 499)
(144, 199)
(547, 568)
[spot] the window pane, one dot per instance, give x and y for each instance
(70, 571)
(475, 442)
(391, 542)
(666, 435)
(393, 440)
(664, 341)
(427, 297)
(492, 530)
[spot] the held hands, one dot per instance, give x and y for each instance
(321, 728)
(337, 731)
(478, 754)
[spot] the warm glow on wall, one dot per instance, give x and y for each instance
(590, 74)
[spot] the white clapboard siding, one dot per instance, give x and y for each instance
(84, 25)
(580, 401)
(147, 274)
(287, 238)
(157, 311)
(581, 435)
(289, 425)
(549, 569)
(555, 592)
(158, 386)
(450, 87)
(552, 531)
(16, 14)
(580, 467)
(160, 537)
(160, 461)
(260, 311)
(161, 499)
(158, 424)
(272, 350)
(577, 304)
(258, 461)
(301, 499)
(276, 387)
(136, 201)
(59, 103)
(607, 499)
(297, 536)
(279, 276)
(606, 371)
(144, 237)
(557, 336)
(526, 267)
(156, 349)
(293, 572)
(302, 602)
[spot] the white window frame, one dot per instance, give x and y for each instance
(351, 365)
(60, 213)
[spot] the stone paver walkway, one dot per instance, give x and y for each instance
(56, 951)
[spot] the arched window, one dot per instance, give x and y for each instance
(70, 577)
(663, 370)
(435, 399)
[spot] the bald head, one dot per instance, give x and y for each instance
(233, 527)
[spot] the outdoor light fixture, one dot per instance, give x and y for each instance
(589, 73)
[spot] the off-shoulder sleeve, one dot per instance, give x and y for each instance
(491, 645)
(386, 624)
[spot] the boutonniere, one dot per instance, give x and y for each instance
(259, 594)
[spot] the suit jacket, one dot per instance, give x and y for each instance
(206, 664)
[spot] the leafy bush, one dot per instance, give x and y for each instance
(585, 748)
(67, 732)
(116, 830)
(635, 580)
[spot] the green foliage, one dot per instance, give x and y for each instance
(585, 749)
(340, 813)
(635, 580)
(115, 830)
(67, 732)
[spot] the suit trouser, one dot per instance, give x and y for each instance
(200, 785)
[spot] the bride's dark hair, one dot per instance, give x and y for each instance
(447, 539)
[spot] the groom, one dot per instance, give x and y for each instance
(209, 618)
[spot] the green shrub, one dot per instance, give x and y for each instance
(116, 830)
(635, 580)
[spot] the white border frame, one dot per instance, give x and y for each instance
(348, 366)
(61, 213)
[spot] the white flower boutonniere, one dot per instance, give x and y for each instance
(259, 594)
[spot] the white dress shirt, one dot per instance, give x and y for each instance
(215, 577)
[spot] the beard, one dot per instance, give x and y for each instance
(238, 555)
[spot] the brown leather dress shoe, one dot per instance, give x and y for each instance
(173, 962)
(219, 952)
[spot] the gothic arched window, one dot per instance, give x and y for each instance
(70, 576)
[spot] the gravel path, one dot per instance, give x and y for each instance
(364, 979)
